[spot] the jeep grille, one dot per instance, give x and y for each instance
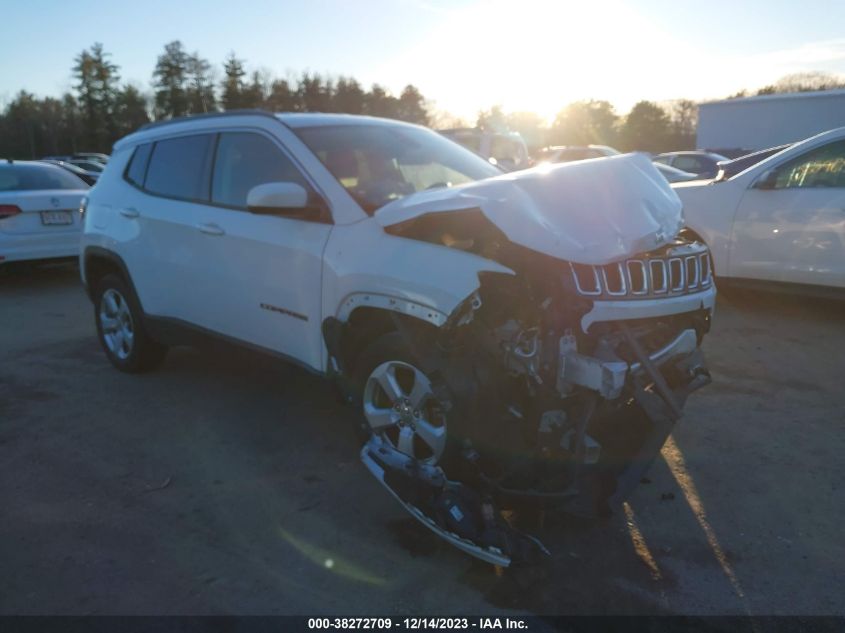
(678, 270)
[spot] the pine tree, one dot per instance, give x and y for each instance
(233, 84)
(253, 94)
(281, 97)
(411, 106)
(348, 96)
(130, 110)
(377, 102)
(96, 87)
(315, 94)
(169, 80)
(200, 85)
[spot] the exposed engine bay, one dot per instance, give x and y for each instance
(560, 383)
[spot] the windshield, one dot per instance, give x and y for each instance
(377, 164)
(33, 177)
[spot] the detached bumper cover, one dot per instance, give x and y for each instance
(457, 514)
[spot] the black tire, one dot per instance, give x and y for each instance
(388, 347)
(144, 353)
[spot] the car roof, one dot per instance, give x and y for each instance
(701, 153)
(5, 162)
(292, 120)
(690, 152)
(320, 119)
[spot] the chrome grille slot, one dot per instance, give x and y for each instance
(706, 273)
(613, 276)
(693, 275)
(586, 279)
(637, 276)
(677, 279)
(659, 276)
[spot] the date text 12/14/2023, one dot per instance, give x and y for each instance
(417, 623)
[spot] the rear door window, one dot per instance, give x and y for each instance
(179, 167)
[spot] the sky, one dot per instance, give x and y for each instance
(464, 55)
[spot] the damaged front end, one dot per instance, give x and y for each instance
(561, 382)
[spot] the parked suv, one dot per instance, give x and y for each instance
(531, 335)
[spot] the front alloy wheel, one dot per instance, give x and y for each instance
(399, 405)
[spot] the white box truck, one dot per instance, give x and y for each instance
(754, 123)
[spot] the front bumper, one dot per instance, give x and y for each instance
(608, 377)
(610, 311)
(659, 383)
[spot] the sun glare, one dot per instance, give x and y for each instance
(535, 56)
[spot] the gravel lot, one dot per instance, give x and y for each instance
(228, 483)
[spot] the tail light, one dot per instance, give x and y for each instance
(83, 204)
(8, 210)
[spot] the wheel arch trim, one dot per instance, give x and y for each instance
(98, 252)
(389, 303)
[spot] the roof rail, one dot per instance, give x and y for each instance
(206, 115)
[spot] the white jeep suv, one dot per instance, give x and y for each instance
(506, 336)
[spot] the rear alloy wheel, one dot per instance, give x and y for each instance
(121, 329)
(400, 407)
(116, 324)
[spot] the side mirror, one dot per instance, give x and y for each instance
(767, 180)
(283, 198)
(273, 197)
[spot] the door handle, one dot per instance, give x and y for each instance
(211, 229)
(129, 212)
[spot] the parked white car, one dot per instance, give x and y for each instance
(39, 211)
(780, 221)
(529, 335)
(569, 153)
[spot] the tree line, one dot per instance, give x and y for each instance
(100, 109)
(647, 127)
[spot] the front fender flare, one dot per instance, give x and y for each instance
(392, 304)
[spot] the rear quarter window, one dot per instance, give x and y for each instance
(137, 169)
(179, 167)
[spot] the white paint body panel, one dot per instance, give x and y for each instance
(794, 235)
(271, 281)
(261, 279)
(591, 212)
(363, 261)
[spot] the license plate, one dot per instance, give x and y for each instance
(56, 217)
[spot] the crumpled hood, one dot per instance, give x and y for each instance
(591, 212)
